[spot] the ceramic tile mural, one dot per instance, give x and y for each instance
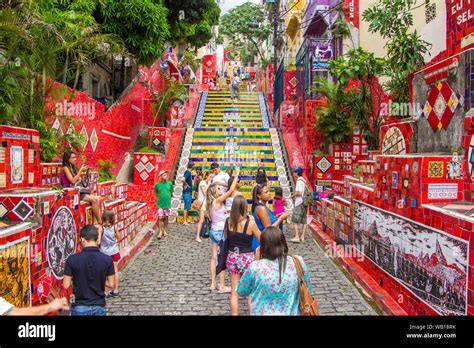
(442, 191)
(61, 240)
(15, 273)
(16, 164)
(323, 165)
(435, 169)
(429, 263)
(454, 170)
(440, 105)
(393, 142)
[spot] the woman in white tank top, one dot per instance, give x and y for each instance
(216, 211)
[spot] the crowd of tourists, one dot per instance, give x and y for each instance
(250, 245)
(232, 81)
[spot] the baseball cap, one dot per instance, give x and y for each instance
(214, 165)
(297, 170)
(161, 172)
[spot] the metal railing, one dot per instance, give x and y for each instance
(286, 160)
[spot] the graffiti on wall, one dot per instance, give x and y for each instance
(429, 262)
(61, 240)
(15, 273)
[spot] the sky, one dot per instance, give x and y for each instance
(227, 5)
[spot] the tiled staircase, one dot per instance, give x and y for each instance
(232, 133)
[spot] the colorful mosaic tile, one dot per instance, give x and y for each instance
(3, 210)
(393, 142)
(324, 165)
(94, 140)
(440, 106)
(23, 210)
(471, 157)
(454, 170)
(435, 169)
(394, 180)
(405, 183)
(442, 191)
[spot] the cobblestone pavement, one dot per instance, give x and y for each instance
(171, 277)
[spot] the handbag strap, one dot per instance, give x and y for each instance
(299, 270)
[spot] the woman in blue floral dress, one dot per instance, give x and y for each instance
(272, 282)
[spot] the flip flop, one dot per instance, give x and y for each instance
(226, 290)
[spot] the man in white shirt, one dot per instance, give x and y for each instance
(235, 87)
(6, 308)
(220, 178)
(300, 210)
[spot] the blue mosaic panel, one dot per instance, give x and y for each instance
(263, 110)
(200, 111)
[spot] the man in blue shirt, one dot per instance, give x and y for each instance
(187, 191)
(89, 271)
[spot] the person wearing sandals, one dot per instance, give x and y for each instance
(272, 281)
(201, 201)
(109, 246)
(216, 212)
(239, 233)
(163, 190)
(263, 215)
(299, 211)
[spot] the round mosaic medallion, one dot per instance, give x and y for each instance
(61, 241)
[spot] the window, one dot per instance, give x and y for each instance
(430, 12)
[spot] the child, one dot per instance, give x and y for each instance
(279, 204)
(109, 245)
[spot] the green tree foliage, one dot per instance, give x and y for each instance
(357, 72)
(244, 25)
(333, 119)
(392, 19)
(191, 21)
(39, 43)
(141, 24)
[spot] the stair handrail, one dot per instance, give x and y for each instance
(270, 123)
(196, 110)
(286, 158)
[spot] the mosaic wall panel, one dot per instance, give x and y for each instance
(15, 273)
(428, 262)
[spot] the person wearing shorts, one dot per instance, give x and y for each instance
(109, 246)
(163, 190)
(216, 212)
(187, 180)
(299, 210)
(239, 230)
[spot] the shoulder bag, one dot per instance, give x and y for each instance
(205, 228)
(223, 251)
(308, 304)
